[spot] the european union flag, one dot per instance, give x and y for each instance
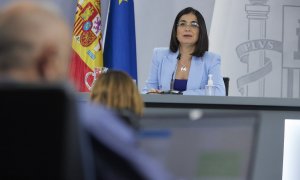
(119, 47)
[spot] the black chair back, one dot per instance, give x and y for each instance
(40, 134)
(226, 82)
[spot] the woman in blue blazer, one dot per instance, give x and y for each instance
(186, 64)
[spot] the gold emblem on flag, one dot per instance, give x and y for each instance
(87, 38)
(120, 1)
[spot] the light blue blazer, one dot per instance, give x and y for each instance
(164, 64)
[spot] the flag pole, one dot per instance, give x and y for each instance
(105, 26)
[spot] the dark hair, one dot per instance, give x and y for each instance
(202, 43)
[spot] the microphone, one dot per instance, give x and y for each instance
(178, 57)
(172, 80)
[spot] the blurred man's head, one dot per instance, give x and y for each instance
(34, 44)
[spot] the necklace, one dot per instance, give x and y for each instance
(183, 67)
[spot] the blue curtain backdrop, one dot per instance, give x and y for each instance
(119, 47)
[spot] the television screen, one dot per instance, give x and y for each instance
(201, 144)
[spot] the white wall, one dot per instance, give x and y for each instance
(268, 32)
(291, 155)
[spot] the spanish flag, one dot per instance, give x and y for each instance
(86, 43)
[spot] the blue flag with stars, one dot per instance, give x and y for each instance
(119, 47)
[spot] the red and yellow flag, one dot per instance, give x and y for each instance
(86, 43)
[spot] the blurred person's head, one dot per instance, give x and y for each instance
(116, 90)
(34, 43)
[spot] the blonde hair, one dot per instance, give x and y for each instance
(116, 89)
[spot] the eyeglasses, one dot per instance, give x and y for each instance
(193, 25)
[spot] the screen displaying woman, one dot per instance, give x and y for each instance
(186, 65)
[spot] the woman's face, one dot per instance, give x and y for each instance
(187, 30)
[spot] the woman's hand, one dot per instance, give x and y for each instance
(153, 91)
